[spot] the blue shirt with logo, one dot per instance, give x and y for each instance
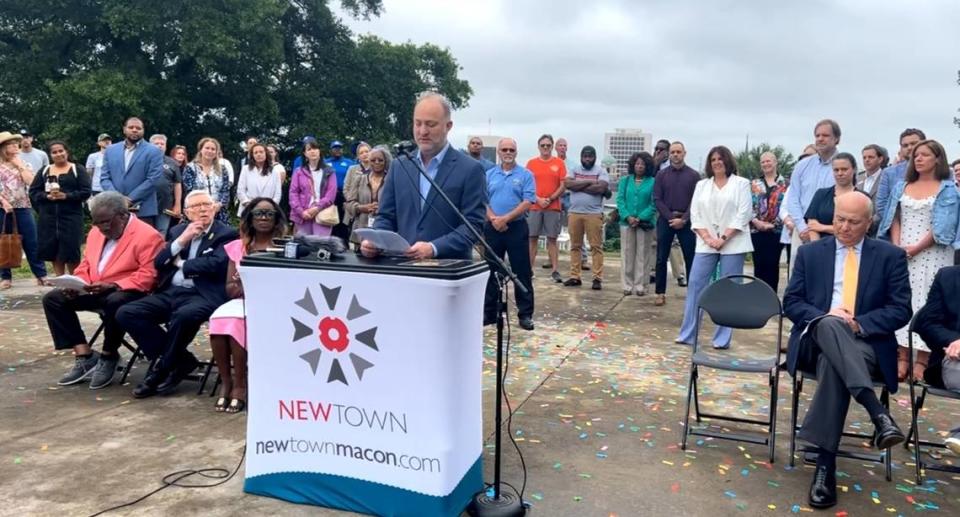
(506, 190)
(340, 166)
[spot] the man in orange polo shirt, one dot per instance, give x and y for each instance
(549, 173)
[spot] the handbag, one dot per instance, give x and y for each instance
(328, 216)
(11, 246)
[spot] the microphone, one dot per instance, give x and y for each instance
(406, 148)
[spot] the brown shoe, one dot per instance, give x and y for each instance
(660, 300)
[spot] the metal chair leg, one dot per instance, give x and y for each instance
(686, 414)
(696, 395)
(773, 412)
(137, 353)
(203, 379)
(795, 403)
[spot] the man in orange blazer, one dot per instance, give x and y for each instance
(118, 268)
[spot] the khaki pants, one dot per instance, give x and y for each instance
(592, 225)
(635, 256)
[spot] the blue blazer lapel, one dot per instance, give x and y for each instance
(443, 173)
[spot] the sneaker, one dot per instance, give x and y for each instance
(953, 442)
(573, 282)
(584, 266)
(82, 369)
(682, 282)
(556, 277)
(103, 373)
(596, 285)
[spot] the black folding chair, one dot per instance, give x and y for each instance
(739, 302)
(916, 404)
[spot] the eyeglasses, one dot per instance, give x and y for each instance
(377, 160)
(199, 206)
(508, 150)
(264, 214)
(546, 145)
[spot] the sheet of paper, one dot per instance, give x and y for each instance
(389, 243)
(67, 282)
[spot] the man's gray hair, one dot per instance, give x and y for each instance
(444, 101)
(195, 193)
(110, 200)
(158, 136)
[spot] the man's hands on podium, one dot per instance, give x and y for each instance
(419, 251)
(847, 317)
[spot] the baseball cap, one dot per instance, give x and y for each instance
(336, 143)
(26, 132)
(308, 139)
(103, 136)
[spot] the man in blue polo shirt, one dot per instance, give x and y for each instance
(340, 164)
(511, 191)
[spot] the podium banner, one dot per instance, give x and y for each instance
(364, 389)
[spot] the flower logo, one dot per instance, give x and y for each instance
(334, 338)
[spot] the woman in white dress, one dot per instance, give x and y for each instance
(923, 222)
(258, 178)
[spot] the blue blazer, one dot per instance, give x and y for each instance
(461, 178)
(208, 269)
(138, 181)
(882, 306)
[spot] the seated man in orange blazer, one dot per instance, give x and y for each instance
(118, 267)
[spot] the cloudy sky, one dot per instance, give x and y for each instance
(706, 72)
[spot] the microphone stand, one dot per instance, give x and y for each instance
(501, 504)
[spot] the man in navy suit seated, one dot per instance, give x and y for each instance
(847, 296)
(409, 205)
(191, 284)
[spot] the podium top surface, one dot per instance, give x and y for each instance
(443, 269)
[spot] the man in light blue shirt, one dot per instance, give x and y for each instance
(897, 172)
(95, 163)
(810, 175)
(511, 190)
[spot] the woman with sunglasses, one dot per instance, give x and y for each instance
(260, 223)
(363, 190)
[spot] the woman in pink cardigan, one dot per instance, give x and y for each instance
(312, 188)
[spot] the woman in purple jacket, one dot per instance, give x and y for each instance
(312, 188)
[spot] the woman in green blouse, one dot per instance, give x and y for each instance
(637, 222)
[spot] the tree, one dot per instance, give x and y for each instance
(277, 69)
(748, 161)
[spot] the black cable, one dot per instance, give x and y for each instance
(175, 478)
(506, 398)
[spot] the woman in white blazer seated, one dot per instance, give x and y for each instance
(259, 177)
(720, 214)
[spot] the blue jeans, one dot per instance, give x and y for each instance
(704, 264)
(27, 228)
(162, 224)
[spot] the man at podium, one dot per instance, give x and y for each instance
(409, 205)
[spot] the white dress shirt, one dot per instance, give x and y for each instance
(717, 210)
(838, 261)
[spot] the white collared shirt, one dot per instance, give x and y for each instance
(839, 258)
(717, 210)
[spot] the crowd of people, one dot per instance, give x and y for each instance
(866, 248)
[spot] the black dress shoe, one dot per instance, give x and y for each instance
(823, 490)
(597, 285)
(178, 374)
(887, 432)
(573, 282)
(526, 323)
(148, 387)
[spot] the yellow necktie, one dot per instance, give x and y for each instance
(851, 267)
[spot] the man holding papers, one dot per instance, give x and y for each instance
(117, 268)
(409, 205)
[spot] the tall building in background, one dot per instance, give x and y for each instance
(624, 142)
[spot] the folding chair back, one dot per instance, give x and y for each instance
(740, 302)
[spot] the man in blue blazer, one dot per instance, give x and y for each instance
(410, 207)
(847, 296)
(191, 284)
(133, 168)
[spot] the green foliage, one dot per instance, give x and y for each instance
(277, 69)
(748, 161)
